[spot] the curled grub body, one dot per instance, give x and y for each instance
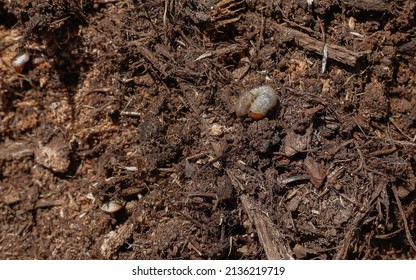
(19, 62)
(256, 102)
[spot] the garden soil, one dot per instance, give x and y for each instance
(119, 137)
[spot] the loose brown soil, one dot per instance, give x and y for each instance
(129, 105)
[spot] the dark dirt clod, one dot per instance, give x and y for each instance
(133, 102)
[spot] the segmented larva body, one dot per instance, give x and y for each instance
(19, 62)
(256, 102)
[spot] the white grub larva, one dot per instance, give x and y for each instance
(19, 62)
(256, 102)
(112, 206)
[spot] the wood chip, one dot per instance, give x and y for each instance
(115, 239)
(269, 235)
(54, 155)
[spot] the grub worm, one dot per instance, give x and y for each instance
(256, 102)
(19, 62)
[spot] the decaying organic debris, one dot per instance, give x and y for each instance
(119, 137)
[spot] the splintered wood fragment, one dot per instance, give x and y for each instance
(43, 203)
(369, 5)
(154, 62)
(231, 49)
(15, 150)
(334, 52)
(356, 222)
(130, 114)
(406, 225)
(269, 236)
(115, 239)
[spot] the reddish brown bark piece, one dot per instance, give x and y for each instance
(316, 171)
